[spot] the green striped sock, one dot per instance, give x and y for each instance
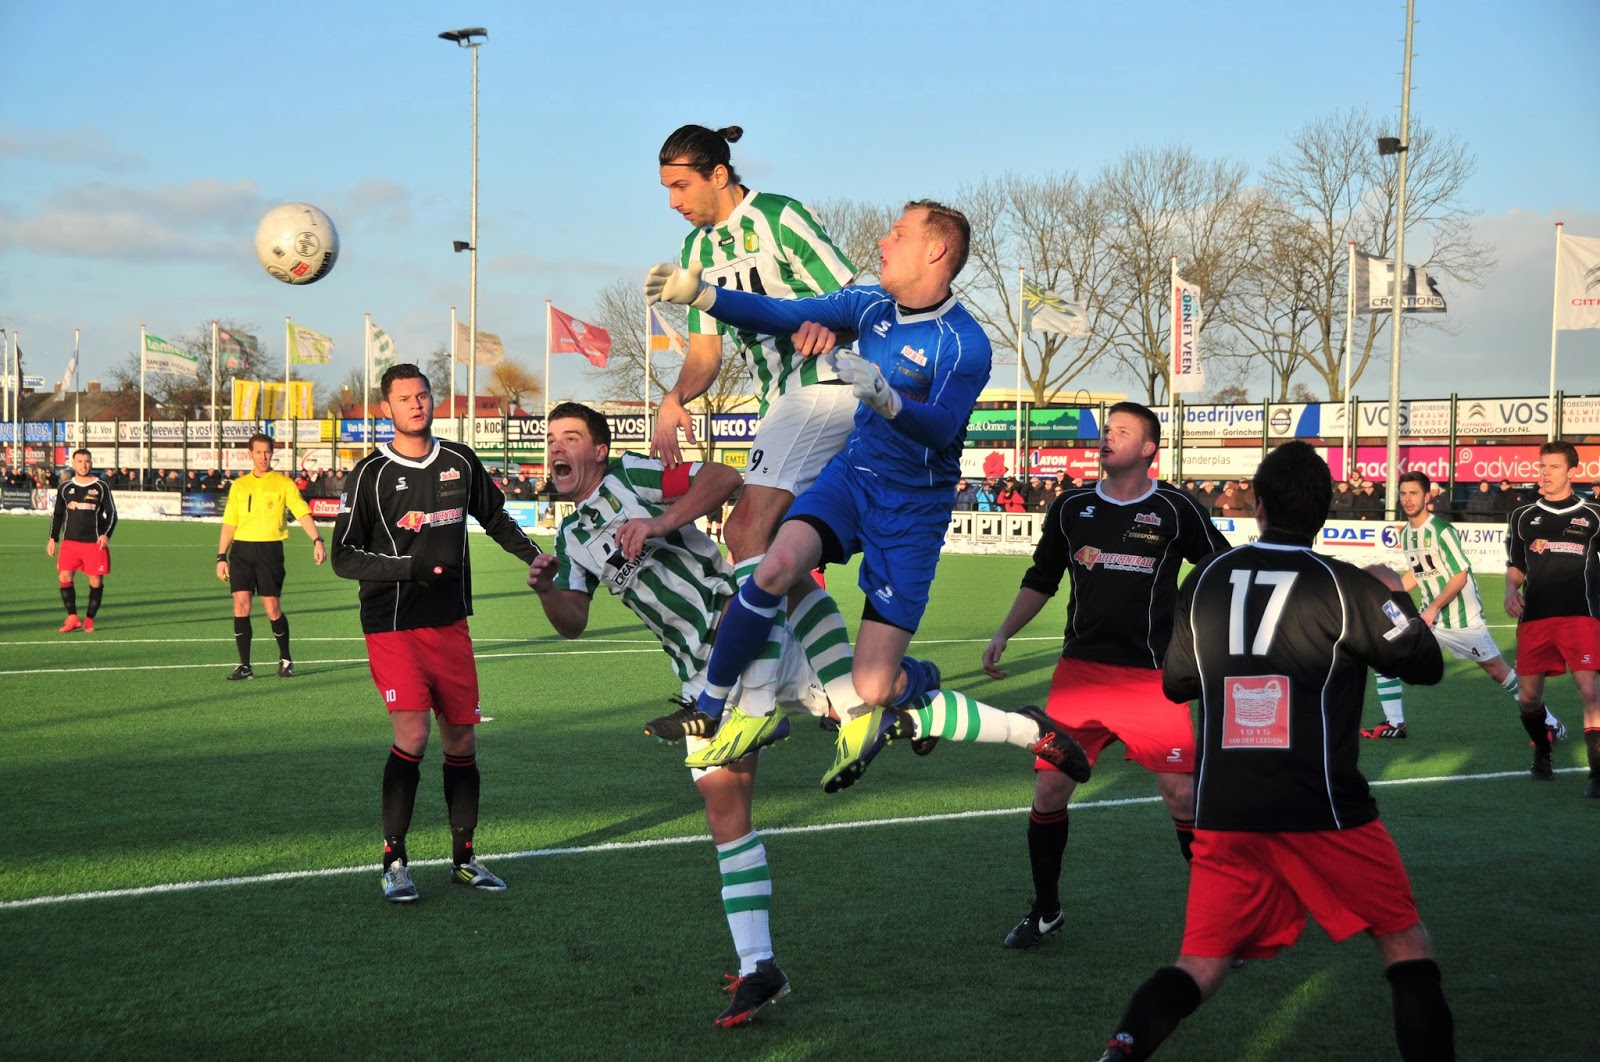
(819, 628)
(957, 717)
(1392, 700)
(747, 898)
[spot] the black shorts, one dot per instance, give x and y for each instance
(256, 567)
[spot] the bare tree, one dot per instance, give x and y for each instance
(191, 395)
(856, 228)
(620, 311)
(513, 381)
(1331, 189)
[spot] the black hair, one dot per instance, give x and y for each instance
(1414, 476)
(84, 452)
(1562, 447)
(1294, 486)
(402, 371)
(593, 419)
(260, 437)
(702, 149)
(1152, 423)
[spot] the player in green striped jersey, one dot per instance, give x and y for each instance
(632, 530)
(772, 245)
(1439, 570)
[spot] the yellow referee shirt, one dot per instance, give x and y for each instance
(256, 505)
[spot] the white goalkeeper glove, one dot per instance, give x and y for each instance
(867, 381)
(668, 283)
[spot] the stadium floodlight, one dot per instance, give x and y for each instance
(471, 38)
(460, 245)
(1390, 145)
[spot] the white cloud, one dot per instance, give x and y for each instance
(73, 147)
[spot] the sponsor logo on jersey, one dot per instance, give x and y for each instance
(1147, 518)
(1576, 521)
(882, 328)
(344, 502)
(1396, 614)
(1536, 521)
(1088, 510)
(1544, 545)
(400, 484)
(751, 243)
(449, 474)
(1090, 557)
(886, 594)
(416, 520)
(1255, 712)
(915, 355)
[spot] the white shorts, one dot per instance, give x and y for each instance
(1468, 643)
(801, 432)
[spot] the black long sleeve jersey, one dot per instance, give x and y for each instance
(1557, 546)
(1124, 559)
(84, 510)
(1275, 642)
(399, 517)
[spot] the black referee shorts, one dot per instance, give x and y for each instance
(256, 567)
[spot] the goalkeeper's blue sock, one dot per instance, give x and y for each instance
(918, 677)
(740, 636)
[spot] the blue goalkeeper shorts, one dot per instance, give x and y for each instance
(897, 532)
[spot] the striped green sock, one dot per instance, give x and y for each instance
(747, 898)
(957, 717)
(1392, 700)
(819, 628)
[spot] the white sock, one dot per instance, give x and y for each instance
(1390, 698)
(747, 898)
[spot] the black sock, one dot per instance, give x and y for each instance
(69, 598)
(1185, 828)
(1533, 723)
(400, 777)
(1423, 1025)
(1157, 1008)
(461, 788)
(1047, 844)
(242, 633)
(280, 631)
(1591, 744)
(95, 593)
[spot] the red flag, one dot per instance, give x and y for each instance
(568, 335)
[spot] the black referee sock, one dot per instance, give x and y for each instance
(461, 789)
(1047, 845)
(1423, 1025)
(242, 633)
(1158, 1006)
(1591, 744)
(401, 774)
(94, 600)
(1533, 723)
(69, 598)
(280, 631)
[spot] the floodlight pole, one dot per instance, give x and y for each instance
(1391, 489)
(464, 38)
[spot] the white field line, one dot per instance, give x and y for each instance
(662, 842)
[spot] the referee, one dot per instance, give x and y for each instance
(252, 525)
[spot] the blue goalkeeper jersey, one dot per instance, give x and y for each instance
(938, 359)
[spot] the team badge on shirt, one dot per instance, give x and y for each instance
(1255, 712)
(449, 474)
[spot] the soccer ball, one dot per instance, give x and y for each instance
(297, 243)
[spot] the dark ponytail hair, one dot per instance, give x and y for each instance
(702, 149)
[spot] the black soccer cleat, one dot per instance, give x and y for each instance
(240, 673)
(1056, 747)
(1034, 928)
(1593, 788)
(687, 721)
(924, 745)
(752, 991)
(1542, 770)
(286, 669)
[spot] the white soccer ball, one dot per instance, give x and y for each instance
(297, 243)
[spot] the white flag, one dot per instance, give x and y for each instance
(380, 348)
(161, 356)
(491, 351)
(307, 347)
(1578, 282)
(1187, 372)
(1374, 284)
(1045, 311)
(72, 371)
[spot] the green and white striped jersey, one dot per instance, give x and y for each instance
(1435, 555)
(770, 245)
(678, 583)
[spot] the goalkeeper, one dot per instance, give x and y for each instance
(887, 496)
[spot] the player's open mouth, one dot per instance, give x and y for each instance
(560, 468)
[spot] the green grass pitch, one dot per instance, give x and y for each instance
(128, 763)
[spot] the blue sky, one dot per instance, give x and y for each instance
(140, 144)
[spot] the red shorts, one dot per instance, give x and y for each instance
(1249, 892)
(427, 669)
(1557, 645)
(1101, 703)
(87, 557)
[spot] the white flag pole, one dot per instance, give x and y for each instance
(1175, 344)
(216, 418)
(77, 395)
(452, 362)
(648, 310)
(288, 410)
(1391, 488)
(548, 343)
(366, 393)
(144, 425)
(1022, 319)
(1555, 310)
(1349, 340)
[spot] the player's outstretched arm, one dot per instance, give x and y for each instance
(699, 372)
(712, 485)
(1385, 629)
(487, 504)
(567, 610)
